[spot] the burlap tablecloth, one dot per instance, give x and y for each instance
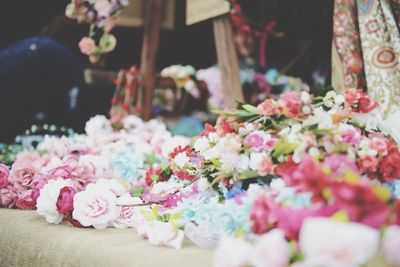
(27, 240)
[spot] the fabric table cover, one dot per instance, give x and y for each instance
(28, 240)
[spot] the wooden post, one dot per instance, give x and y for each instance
(227, 61)
(152, 27)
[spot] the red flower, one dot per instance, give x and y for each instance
(361, 204)
(208, 128)
(224, 127)
(65, 202)
(285, 168)
(365, 104)
(177, 150)
(153, 175)
(262, 214)
(182, 175)
(389, 166)
(307, 177)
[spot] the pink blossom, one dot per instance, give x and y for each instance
(63, 171)
(23, 175)
(368, 164)
(291, 220)
(292, 103)
(8, 196)
(340, 163)
(36, 189)
(308, 176)
(269, 108)
(65, 201)
(380, 145)
(4, 173)
(266, 166)
(350, 134)
(25, 201)
(259, 141)
(87, 46)
(262, 214)
(361, 204)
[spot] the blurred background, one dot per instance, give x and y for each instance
(42, 77)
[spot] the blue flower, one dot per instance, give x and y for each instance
(394, 188)
(271, 76)
(128, 166)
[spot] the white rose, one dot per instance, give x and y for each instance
(201, 144)
(271, 249)
(47, 201)
(243, 163)
(161, 234)
(95, 207)
(255, 160)
(325, 242)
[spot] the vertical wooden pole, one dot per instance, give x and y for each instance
(151, 36)
(227, 61)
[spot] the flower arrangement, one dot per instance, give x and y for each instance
(101, 15)
(302, 180)
(183, 78)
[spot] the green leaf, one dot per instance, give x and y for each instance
(283, 148)
(250, 108)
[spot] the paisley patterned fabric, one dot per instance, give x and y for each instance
(366, 49)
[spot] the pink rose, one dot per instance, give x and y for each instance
(85, 174)
(269, 108)
(95, 207)
(292, 102)
(368, 164)
(25, 201)
(87, 46)
(259, 141)
(65, 201)
(23, 175)
(8, 196)
(339, 164)
(125, 218)
(4, 173)
(380, 145)
(266, 166)
(263, 214)
(352, 96)
(63, 171)
(36, 190)
(350, 134)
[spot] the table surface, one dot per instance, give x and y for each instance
(26, 239)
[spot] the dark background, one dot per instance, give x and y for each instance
(302, 21)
